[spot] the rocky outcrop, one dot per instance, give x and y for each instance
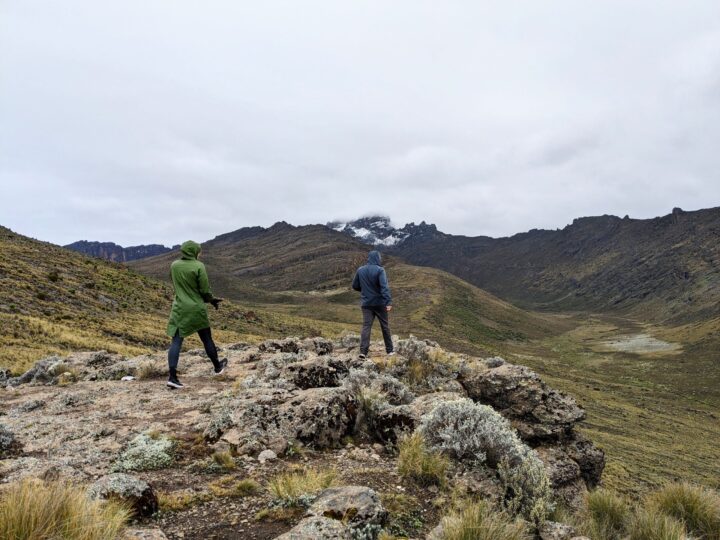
(536, 410)
(289, 394)
(135, 493)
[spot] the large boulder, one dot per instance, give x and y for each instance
(319, 417)
(135, 493)
(261, 418)
(317, 528)
(535, 410)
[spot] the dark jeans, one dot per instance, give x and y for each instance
(176, 345)
(369, 314)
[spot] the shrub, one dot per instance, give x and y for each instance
(371, 403)
(229, 486)
(526, 487)
(697, 507)
(33, 510)
(478, 522)
(415, 461)
(145, 453)
(298, 486)
(649, 525)
(606, 515)
(477, 433)
(471, 432)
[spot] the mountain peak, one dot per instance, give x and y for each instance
(378, 230)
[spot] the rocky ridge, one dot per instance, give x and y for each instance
(308, 402)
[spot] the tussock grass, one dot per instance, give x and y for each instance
(649, 525)
(32, 510)
(292, 487)
(678, 511)
(417, 462)
(697, 507)
(149, 369)
(478, 522)
(606, 515)
(224, 460)
(229, 486)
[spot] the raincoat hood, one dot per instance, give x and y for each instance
(190, 250)
(374, 258)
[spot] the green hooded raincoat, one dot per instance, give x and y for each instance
(192, 291)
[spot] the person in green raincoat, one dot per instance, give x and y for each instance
(189, 313)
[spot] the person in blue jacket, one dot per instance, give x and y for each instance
(375, 301)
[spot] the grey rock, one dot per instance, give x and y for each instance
(266, 455)
(560, 468)
(350, 341)
(317, 528)
(7, 441)
(551, 530)
(136, 493)
(315, 373)
(356, 506)
(389, 424)
(144, 534)
(287, 345)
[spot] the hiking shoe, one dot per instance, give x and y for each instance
(362, 356)
(221, 369)
(391, 353)
(174, 382)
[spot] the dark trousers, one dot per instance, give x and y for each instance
(176, 345)
(369, 314)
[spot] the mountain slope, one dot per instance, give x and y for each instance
(113, 252)
(306, 271)
(664, 269)
(53, 300)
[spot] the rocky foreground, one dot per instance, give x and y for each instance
(290, 404)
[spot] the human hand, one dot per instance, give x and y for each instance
(388, 308)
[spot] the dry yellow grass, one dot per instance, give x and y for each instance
(33, 510)
(290, 487)
(417, 462)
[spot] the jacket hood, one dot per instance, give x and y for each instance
(374, 258)
(190, 250)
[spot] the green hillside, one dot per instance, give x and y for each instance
(54, 301)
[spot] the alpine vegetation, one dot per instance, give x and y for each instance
(146, 452)
(477, 434)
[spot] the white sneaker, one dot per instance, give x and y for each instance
(391, 353)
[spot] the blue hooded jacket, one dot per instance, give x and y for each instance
(372, 283)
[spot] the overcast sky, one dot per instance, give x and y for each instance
(157, 121)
